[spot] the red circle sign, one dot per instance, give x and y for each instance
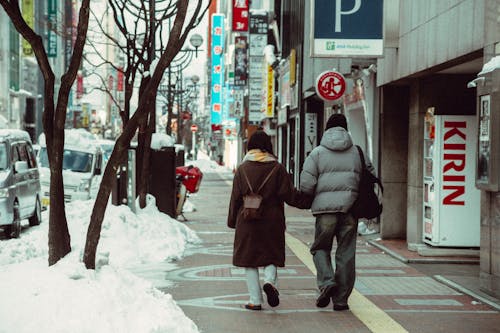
(330, 85)
(194, 128)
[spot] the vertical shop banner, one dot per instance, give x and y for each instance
(217, 69)
(257, 40)
(79, 85)
(120, 79)
(269, 92)
(240, 61)
(52, 26)
(353, 28)
(68, 27)
(240, 15)
(29, 16)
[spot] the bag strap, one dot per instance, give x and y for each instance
(246, 178)
(261, 185)
(361, 156)
(267, 178)
(363, 164)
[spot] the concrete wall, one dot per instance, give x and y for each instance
(432, 33)
(394, 160)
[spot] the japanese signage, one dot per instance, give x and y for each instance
(354, 28)
(257, 69)
(51, 33)
(483, 163)
(29, 17)
(240, 61)
(268, 92)
(240, 15)
(330, 85)
(217, 68)
(120, 79)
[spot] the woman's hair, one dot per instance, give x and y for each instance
(260, 140)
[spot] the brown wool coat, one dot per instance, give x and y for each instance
(262, 242)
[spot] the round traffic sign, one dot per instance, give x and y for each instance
(330, 85)
(194, 128)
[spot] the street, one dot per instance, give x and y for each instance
(389, 295)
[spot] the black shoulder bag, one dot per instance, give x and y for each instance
(367, 204)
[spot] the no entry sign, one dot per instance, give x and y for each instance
(194, 128)
(330, 85)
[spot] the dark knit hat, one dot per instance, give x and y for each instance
(336, 120)
(260, 140)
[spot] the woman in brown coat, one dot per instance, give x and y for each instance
(261, 242)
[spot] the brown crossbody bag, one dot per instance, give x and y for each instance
(253, 200)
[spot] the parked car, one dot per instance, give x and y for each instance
(19, 182)
(107, 147)
(82, 166)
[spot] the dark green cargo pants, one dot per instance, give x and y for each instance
(344, 228)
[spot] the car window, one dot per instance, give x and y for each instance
(31, 155)
(23, 153)
(77, 161)
(3, 157)
(14, 154)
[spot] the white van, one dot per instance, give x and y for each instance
(82, 166)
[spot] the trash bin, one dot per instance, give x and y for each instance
(162, 179)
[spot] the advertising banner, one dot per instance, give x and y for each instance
(51, 33)
(29, 17)
(353, 28)
(217, 68)
(240, 15)
(240, 61)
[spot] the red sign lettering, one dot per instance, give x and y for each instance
(454, 162)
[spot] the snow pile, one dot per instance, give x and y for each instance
(160, 140)
(67, 297)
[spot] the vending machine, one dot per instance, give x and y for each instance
(451, 212)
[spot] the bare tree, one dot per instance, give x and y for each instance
(54, 117)
(142, 26)
(176, 40)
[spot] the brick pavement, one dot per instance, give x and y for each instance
(211, 291)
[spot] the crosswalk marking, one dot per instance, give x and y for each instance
(372, 316)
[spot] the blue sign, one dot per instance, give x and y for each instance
(347, 28)
(217, 69)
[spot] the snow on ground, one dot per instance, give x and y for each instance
(206, 165)
(67, 297)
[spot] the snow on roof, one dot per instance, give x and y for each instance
(14, 134)
(490, 66)
(75, 137)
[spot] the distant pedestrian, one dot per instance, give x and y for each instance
(331, 173)
(260, 242)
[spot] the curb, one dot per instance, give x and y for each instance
(427, 260)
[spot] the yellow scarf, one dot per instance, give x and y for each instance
(259, 156)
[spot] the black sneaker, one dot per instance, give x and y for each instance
(255, 307)
(340, 307)
(272, 294)
(325, 295)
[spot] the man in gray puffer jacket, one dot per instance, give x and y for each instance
(331, 173)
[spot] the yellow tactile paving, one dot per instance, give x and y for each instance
(372, 316)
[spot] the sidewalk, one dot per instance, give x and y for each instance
(389, 296)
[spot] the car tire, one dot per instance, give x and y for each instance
(14, 230)
(36, 219)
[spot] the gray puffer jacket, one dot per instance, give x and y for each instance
(332, 171)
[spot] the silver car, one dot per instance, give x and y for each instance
(19, 182)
